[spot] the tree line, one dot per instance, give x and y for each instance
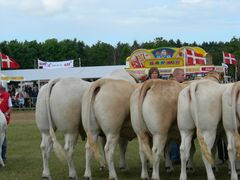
(100, 54)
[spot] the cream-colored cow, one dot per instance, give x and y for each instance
(199, 107)
(154, 114)
(105, 110)
(59, 107)
(231, 122)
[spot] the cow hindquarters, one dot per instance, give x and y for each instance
(46, 146)
(70, 142)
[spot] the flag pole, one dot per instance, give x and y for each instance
(37, 66)
(0, 61)
(236, 72)
(1, 66)
(184, 61)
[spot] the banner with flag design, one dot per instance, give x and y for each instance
(192, 57)
(8, 62)
(229, 58)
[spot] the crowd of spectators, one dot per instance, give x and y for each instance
(23, 95)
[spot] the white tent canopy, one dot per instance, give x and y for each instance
(91, 72)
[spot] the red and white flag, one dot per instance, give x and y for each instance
(192, 57)
(229, 58)
(8, 62)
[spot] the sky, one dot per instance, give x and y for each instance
(125, 21)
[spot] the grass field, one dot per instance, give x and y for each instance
(24, 161)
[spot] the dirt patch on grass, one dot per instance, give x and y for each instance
(22, 115)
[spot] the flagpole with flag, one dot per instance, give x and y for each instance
(229, 58)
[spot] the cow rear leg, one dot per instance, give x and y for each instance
(123, 142)
(70, 142)
(190, 165)
(168, 163)
(46, 147)
(143, 140)
(109, 148)
(102, 141)
(209, 138)
(159, 141)
(186, 139)
(88, 156)
(232, 154)
(2, 137)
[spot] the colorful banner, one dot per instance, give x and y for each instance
(164, 63)
(12, 78)
(54, 65)
(188, 70)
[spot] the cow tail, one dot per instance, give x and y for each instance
(145, 145)
(234, 99)
(58, 149)
(89, 101)
(204, 148)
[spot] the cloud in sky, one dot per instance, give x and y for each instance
(126, 21)
(36, 7)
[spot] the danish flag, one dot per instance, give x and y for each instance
(192, 57)
(229, 58)
(8, 62)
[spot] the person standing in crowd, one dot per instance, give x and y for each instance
(178, 75)
(5, 107)
(153, 73)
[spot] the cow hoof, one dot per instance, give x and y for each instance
(150, 169)
(123, 169)
(102, 168)
(229, 171)
(169, 169)
(46, 178)
(111, 178)
(72, 178)
(190, 170)
(238, 171)
(215, 169)
(144, 178)
(86, 178)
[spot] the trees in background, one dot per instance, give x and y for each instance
(26, 53)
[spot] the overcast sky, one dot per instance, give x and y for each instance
(112, 21)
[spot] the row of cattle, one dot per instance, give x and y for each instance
(156, 112)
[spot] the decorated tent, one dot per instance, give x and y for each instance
(194, 60)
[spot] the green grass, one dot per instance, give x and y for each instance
(24, 161)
